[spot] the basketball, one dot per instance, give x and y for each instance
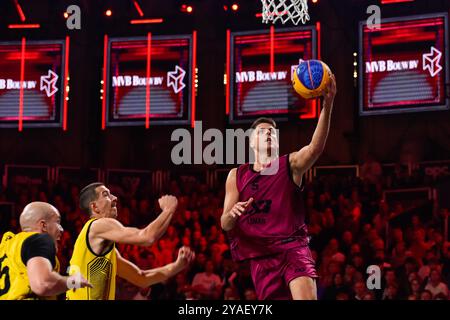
(310, 78)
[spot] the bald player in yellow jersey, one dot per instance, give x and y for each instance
(95, 254)
(28, 263)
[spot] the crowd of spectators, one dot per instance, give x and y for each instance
(350, 226)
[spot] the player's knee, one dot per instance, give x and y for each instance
(303, 288)
(306, 293)
(309, 294)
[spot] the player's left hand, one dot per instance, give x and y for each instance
(329, 93)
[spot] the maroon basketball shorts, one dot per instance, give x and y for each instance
(272, 274)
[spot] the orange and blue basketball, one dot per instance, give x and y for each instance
(310, 78)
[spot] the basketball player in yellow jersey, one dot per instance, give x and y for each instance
(96, 257)
(28, 263)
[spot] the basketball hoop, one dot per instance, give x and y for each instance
(285, 10)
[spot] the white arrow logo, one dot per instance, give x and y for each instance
(175, 79)
(431, 61)
(48, 83)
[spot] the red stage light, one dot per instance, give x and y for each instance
(66, 15)
(108, 13)
(24, 26)
(147, 21)
(394, 1)
(138, 8)
(20, 11)
(187, 8)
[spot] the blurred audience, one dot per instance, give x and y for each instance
(351, 228)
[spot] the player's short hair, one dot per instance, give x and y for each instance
(263, 120)
(88, 194)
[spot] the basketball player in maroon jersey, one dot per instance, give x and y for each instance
(264, 214)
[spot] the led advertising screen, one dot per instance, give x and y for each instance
(260, 71)
(149, 78)
(39, 67)
(403, 65)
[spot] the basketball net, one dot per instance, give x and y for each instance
(285, 10)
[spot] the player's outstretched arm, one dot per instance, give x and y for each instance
(45, 282)
(112, 230)
(145, 278)
(232, 209)
(302, 160)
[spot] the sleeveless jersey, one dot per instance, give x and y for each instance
(275, 220)
(14, 282)
(99, 270)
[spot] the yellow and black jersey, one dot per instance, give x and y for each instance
(99, 270)
(15, 251)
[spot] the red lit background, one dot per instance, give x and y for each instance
(400, 90)
(271, 51)
(127, 105)
(376, 173)
(37, 108)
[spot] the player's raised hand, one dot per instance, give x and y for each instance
(185, 256)
(168, 203)
(240, 208)
(330, 92)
